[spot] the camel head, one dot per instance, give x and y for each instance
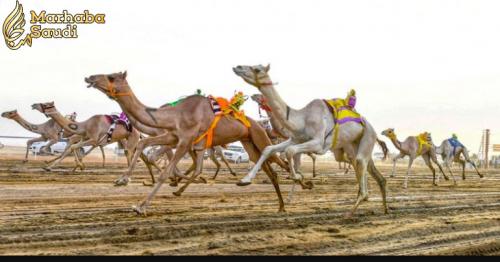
(112, 85)
(254, 75)
(10, 114)
(45, 108)
(261, 101)
(389, 133)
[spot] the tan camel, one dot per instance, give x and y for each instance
(72, 139)
(184, 124)
(311, 130)
(93, 132)
(278, 133)
(48, 131)
(413, 148)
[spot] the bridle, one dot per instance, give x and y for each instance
(112, 91)
(45, 108)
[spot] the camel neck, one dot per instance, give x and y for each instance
(27, 125)
(280, 110)
(143, 128)
(66, 124)
(153, 117)
(396, 143)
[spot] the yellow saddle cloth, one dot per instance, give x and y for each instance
(424, 140)
(342, 113)
(223, 107)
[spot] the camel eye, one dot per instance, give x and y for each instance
(111, 78)
(257, 70)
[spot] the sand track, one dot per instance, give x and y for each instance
(64, 213)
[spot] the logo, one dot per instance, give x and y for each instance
(13, 26)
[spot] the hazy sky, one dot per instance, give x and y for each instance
(416, 65)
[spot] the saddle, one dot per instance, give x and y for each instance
(424, 140)
(115, 120)
(223, 107)
(342, 113)
(455, 144)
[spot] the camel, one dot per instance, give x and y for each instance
(311, 130)
(277, 132)
(413, 148)
(93, 132)
(184, 124)
(48, 131)
(164, 149)
(72, 139)
(451, 150)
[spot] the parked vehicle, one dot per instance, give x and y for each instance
(56, 148)
(236, 154)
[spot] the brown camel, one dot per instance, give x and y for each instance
(93, 132)
(164, 149)
(413, 148)
(184, 124)
(48, 131)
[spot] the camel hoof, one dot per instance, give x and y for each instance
(348, 215)
(241, 183)
(234, 174)
(48, 169)
(173, 184)
(122, 181)
(308, 185)
(141, 211)
(446, 178)
(282, 210)
(144, 183)
(203, 180)
(177, 193)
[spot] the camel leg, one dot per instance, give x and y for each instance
(197, 172)
(467, 158)
(150, 170)
(313, 157)
(447, 161)
(462, 163)
(224, 159)
(28, 145)
(291, 151)
(103, 156)
(361, 168)
(66, 152)
(427, 160)
(182, 148)
(435, 160)
(394, 160)
(211, 155)
(46, 148)
(254, 156)
(268, 151)
(410, 162)
(143, 143)
(382, 183)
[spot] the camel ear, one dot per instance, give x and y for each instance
(124, 74)
(267, 68)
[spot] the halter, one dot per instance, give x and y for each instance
(265, 84)
(112, 91)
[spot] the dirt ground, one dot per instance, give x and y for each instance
(60, 213)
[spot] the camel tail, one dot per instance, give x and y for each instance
(385, 150)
